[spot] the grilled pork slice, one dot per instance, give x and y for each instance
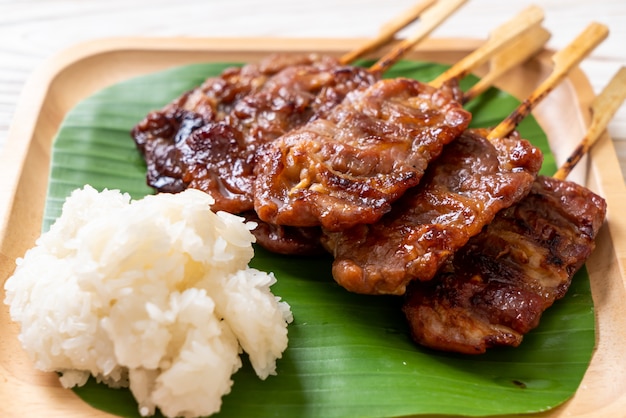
(215, 98)
(208, 138)
(495, 289)
(158, 133)
(461, 192)
(294, 96)
(347, 168)
(220, 158)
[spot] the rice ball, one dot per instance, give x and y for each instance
(153, 294)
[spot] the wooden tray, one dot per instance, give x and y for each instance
(79, 72)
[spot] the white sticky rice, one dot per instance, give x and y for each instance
(155, 294)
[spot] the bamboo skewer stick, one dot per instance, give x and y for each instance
(603, 107)
(431, 18)
(522, 31)
(522, 49)
(500, 38)
(564, 61)
(388, 31)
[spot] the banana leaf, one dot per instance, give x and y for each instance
(349, 355)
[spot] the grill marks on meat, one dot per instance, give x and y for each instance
(293, 97)
(234, 115)
(348, 168)
(216, 97)
(461, 192)
(287, 101)
(495, 289)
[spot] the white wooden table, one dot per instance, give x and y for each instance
(32, 31)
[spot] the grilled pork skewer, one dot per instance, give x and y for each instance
(495, 289)
(294, 240)
(217, 159)
(306, 240)
(194, 146)
(479, 174)
(348, 167)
